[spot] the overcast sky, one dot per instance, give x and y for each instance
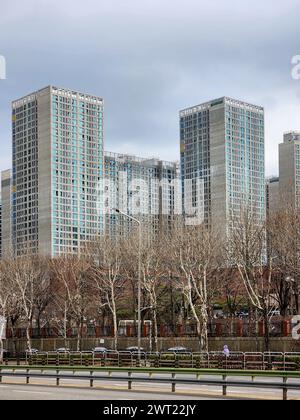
(150, 58)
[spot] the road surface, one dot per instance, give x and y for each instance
(43, 388)
(33, 392)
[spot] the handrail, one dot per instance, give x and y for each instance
(225, 383)
(185, 371)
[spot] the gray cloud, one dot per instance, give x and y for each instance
(149, 59)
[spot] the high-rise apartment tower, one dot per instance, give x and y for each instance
(57, 165)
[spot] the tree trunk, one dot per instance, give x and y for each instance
(204, 334)
(79, 333)
(199, 329)
(155, 330)
(13, 322)
(65, 328)
(297, 300)
(28, 338)
(38, 321)
(267, 331)
(115, 321)
(1, 351)
(173, 322)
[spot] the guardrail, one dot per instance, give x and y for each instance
(211, 360)
(96, 374)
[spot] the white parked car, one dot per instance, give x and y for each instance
(100, 350)
(63, 350)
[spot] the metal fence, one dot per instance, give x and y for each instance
(212, 360)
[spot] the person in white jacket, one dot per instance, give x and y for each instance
(226, 351)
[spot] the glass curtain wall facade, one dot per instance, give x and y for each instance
(57, 166)
(77, 168)
(147, 189)
(25, 175)
(222, 149)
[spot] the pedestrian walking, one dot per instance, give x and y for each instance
(226, 351)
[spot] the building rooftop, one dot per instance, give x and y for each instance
(291, 136)
(219, 101)
(67, 92)
(123, 157)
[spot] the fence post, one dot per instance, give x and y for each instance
(173, 383)
(129, 382)
(27, 377)
(285, 391)
(224, 386)
(57, 378)
(91, 380)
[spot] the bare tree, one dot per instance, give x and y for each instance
(284, 244)
(130, 262)
(26, 274)
(232, 290)
(107, 280)
(246, 250)
(4, 300)
(195, 259)
(60, 305)
(44, 294)
(152, 275)
(74, 277)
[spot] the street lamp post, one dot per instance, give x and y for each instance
(139, 278)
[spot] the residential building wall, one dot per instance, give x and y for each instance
(57, 166)
(289, 170)
(222, 145)
(272, 195)
(6, 214)
(147, 189)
